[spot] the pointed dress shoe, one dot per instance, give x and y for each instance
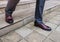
(42, 26)
(9, 18)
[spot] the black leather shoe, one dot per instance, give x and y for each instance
(42, 26)
(9, 19)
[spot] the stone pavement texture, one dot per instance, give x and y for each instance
(24, 14)
(30, 33)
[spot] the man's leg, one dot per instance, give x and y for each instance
(38, 15)
(39, 10)
(11, 5)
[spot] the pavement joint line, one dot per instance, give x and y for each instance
(54, 23)
(10, 25)
(35, 32)
(12, 30)
(19, 40)
(39, 33)
(44, 39)
(28, 34)
(51, 40)
(42, 35)
(50, 34)
(26, 40)
(51, 8)
(48, 38)
(14, 23)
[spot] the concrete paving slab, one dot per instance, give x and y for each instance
(24, 31)
(11, 37)
(35, 37)
(55, 36)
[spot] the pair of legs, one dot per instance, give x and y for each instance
(38, 12)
